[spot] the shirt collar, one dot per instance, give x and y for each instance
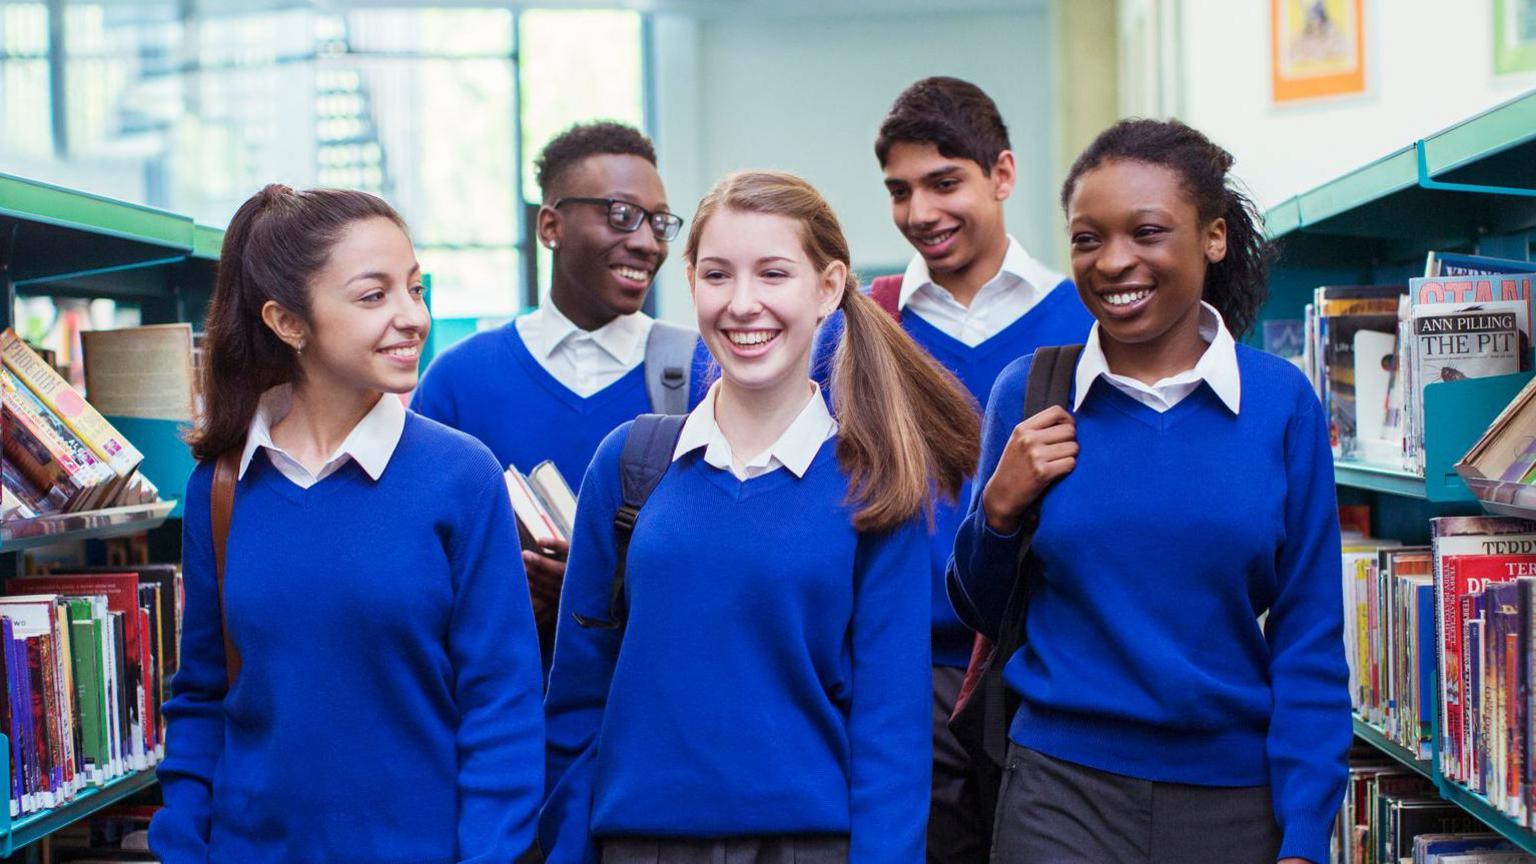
(371, 442)
(620, 338)
(1017, 265)
(1217, 367)
(795, 449)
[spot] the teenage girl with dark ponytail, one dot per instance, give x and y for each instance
(1182, 684)
(360, 677)
(767, 698)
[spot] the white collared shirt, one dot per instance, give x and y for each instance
(371, 442)
(1018, 286)
(795, 449)
(585, 361)
(1216, 367)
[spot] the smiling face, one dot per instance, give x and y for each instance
(759, 297)
(1139, 255)
(948, 209)
(600, 271)
(367, 317)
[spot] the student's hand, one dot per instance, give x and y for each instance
(1040, 450)
(1293, 861)
(546, 573)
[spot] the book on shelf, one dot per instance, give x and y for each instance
(86, 661)
(60, 454)
(62, 399)
(1501, 467)
(1356, 331)
(1460, 264)
(144, 372)
(1485, 588)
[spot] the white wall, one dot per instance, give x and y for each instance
(1428, 65)
(807, 95)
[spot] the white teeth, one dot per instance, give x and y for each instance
(936, 239)
(1127, 298)
(404, 352)
(632, 273)
(750, 337)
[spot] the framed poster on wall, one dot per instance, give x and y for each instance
(1317, 48)
(1514, 36)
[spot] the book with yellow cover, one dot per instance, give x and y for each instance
(106, 442)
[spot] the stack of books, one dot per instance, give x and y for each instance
(1388, 808)
(60, 454)
(1372, 349)
(87, 662)
(1485, 599)
(1390, 638)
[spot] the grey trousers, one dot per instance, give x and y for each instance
(1055, 812)
(956, 832)
(789, 849)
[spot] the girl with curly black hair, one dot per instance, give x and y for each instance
(1182, 689)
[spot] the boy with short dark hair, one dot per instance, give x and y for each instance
(554, 382)
(976, 300)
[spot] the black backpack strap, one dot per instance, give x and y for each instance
(1051, 376)
(645, 458)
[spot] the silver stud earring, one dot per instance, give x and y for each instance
(298, 350)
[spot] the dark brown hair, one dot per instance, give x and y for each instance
(955, 116)
(1238, 284)
(276, 242)
(569, 148)
(906, 426)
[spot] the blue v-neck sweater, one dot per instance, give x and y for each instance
(1174, 532)
(1058, 319)
(388, 706)
(492, 387)
(773, 676)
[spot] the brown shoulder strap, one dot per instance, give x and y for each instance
(225, 472)
(886, 292)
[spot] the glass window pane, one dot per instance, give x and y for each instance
(576, 66)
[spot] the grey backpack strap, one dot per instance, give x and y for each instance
(669, 366)
(645, 458)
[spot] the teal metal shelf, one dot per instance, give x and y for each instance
(1485, 812)
(1378, 478)
(1479, 173)
(1378, 739)
(55, 234)
(18, 534)
(207, 243)
(35, 826)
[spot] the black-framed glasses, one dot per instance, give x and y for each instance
(627, 216)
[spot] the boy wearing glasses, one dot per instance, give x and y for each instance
(554, 382)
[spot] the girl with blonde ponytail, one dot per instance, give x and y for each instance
(771, 699)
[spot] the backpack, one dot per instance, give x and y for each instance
(669, 367)
(645, 458)
(886, 292)
(985, 706)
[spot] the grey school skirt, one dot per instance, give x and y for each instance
(788, 849)
(1054, 812)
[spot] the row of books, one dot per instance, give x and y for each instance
(87, 661)
(1447, 628)
(60, 454)
(115, 834)
(1370, 350)
(1392, 815)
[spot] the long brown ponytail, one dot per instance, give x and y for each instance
(906, 427)
(276, 242)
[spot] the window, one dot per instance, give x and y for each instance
(193, 113)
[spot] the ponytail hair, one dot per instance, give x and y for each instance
(906, 426)
(1238, 284)
(275, 244)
